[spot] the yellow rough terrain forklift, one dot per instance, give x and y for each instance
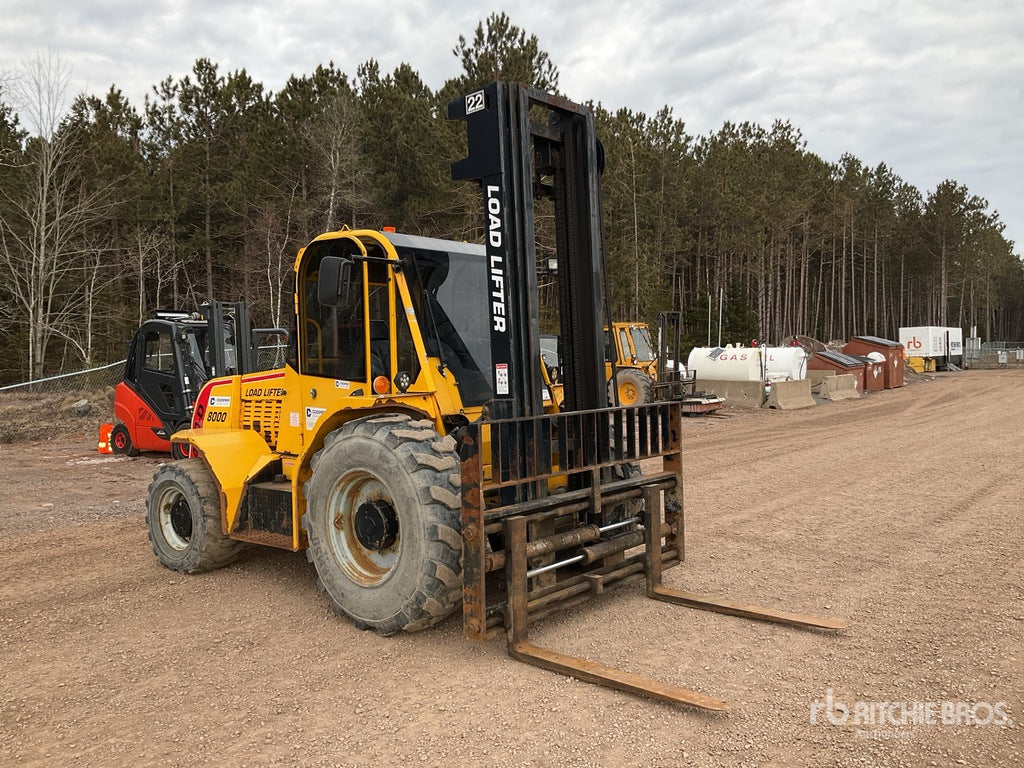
(405, 444)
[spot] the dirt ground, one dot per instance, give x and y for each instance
(900, 511)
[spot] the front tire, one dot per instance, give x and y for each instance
(634, 387)
(180, 450)
(383, 520)
(183, 518)
(121, 441)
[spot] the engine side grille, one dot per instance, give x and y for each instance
(263, 416)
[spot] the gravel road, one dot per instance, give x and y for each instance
(900, 511)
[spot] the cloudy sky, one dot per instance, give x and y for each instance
(933, 88)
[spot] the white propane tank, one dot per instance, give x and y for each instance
(725, 363)
(785, 363)
(744, 363)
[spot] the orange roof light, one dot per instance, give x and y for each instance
(387, 229)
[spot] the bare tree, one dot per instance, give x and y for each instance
(76, 317)
(45, 251)
(150, 261)
(275, 241)
(339, 163)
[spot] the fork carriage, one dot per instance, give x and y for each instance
(565, 515)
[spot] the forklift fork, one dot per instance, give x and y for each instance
(521, 649)
(593, 558)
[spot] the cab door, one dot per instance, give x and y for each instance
(159, 374)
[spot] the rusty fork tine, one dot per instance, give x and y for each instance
(705, 603)
(521, 649)
(611, 677)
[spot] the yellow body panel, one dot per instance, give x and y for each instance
(235, 455)
(625, 353)
(250, 422)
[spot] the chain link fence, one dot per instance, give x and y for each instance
(88, 380)
(994, 354)
(71, 403)
(78, 402)
(269, 357)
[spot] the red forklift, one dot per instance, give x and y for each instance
(170, 357)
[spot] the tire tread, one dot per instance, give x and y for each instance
(433, 464)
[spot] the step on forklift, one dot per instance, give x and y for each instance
(170, 357)
(405, 445)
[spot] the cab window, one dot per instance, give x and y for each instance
(624, 347)
(333, 339)
(159, 354)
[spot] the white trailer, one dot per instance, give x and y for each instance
(944, 344)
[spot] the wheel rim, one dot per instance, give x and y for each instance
(175, 519)
(363, 532)
(120, 440)
(628, 393)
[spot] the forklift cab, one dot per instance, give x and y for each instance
(164, 370)
(170, 357)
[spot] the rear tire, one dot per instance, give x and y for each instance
(383, 522)
(184, 521)
(634, 387)
(121, 441)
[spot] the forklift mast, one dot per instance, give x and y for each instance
(229, 338)
(525, 144)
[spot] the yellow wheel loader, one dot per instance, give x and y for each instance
(637, 373)
(408, 445)
(632, 365)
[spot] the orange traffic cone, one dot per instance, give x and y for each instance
(104, 446)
